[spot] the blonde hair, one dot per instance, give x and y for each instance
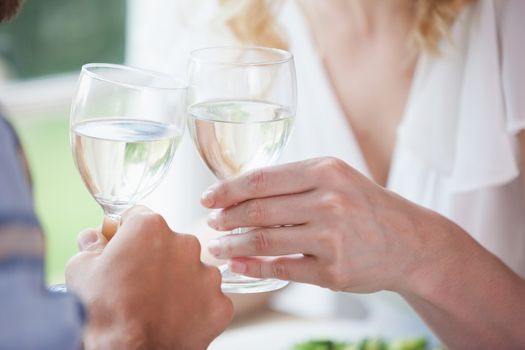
(254, 22)
(433, 21)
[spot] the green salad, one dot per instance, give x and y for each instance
(367, 344)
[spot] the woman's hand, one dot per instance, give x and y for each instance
(346, 232)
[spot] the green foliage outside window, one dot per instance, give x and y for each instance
(53, 36)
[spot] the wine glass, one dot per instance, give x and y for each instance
(241, 109)
(125, 126)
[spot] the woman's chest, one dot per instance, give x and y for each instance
(371, 85)
(367, 75)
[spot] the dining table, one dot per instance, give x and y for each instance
(273, 330)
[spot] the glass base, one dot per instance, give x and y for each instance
(57, 288)
(235, 283)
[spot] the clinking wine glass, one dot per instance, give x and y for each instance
(125, 126)
(241, 109)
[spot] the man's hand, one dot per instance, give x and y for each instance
(147, 288)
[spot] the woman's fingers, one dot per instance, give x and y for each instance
(274, 211)
(268, 241)
(290, 268)
(260, 183)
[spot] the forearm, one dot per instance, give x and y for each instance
(357, 237)
(469, 298)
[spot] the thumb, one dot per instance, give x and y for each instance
(91, 240)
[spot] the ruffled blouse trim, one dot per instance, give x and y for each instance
(456, 118)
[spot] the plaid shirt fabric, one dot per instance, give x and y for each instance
(30, 316)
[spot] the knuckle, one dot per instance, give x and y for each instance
(193, 245)
(261, 241)
(154, 220)
(335, 203)
(135, 221)
(224, 310)
(223, 220)
(152, 231)
(257, 180)
(152, 223)
(331, 167)
(255, 211)
(228, 309)
(222, 190)
(214, 276)
(332, 242)
(328, 240)
(332, 277)
(221, 306)
(228, 246)
(279, 270)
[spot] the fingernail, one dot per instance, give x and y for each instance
(87, 239)
(237, 266)
(213, 219)
(214, 247)
(207, 198)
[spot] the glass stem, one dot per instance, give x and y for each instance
(110, 225)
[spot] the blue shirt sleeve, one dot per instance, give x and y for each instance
(16, 204)
(30, 316)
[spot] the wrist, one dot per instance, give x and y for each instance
(467, 295)
(443, 249)
(114, 334)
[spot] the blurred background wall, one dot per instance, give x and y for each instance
(41, 52)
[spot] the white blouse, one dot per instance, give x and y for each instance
(456, 150)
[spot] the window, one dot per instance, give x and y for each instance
(41, 52)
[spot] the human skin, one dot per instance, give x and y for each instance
(367, 60)
(147, 288)
(349, 234)
(354, 235)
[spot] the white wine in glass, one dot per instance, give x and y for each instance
(241, 109)
(125, 126)
(235, 136)
(121, 160)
